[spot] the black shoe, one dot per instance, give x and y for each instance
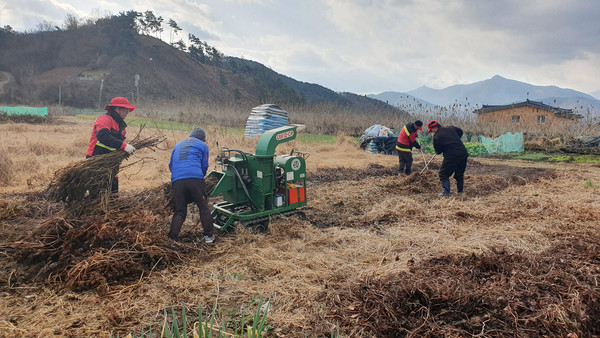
(446, 187)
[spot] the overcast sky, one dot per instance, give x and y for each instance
(371, 46)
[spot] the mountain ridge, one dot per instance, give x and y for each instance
(494, 91)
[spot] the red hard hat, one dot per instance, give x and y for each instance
(120, 102)
(432, 124)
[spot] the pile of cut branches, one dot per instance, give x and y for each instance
(96, 250)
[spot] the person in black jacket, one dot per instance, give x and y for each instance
(446, 140)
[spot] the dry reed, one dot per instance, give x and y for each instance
(6, 168)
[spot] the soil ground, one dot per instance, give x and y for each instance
(517, 254)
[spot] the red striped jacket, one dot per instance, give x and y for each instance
(108, 134)
(407, 138)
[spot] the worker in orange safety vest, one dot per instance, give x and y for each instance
(108, 133)
(406, 141)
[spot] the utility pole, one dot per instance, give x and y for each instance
(137, 88)
(100, 98)
(59, 96)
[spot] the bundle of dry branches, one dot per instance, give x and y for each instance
(92, 178)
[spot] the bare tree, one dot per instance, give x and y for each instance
(46, 26)
(71, 22)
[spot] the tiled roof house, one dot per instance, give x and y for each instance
(527, 114)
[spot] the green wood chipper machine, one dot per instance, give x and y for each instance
(256, 187)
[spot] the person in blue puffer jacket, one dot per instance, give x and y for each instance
(188, 166)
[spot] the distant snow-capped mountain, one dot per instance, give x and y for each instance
(494, 91)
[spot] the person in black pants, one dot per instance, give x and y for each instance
(407, 139)
(188, 166)
(447, 141)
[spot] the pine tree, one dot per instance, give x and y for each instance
(174, 30)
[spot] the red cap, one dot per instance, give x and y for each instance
(120, 102)
(432, 124)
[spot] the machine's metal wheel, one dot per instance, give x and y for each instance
(302, 215)
(234, 225)
(297, 214)
(261, 227)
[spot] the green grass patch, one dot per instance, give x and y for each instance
(317, 138)
(222, 131)
(594, 159)
(473, 148)
(86, 116)
(563, 158)
(135, 121)
(532, 157)
(167, 125)
(589, 184)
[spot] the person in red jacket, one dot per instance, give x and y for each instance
(407, 139)
(108, 133)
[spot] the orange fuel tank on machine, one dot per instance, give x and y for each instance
(296, 194)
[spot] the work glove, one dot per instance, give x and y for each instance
(129, 149)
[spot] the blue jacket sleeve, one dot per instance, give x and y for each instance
(171, 161)
(205, 161)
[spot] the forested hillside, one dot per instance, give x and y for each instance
(84, 64)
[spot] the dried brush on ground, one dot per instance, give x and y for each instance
(96, 250)
(554, 293)
(25, 118)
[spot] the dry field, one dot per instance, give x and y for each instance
(518, 254)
